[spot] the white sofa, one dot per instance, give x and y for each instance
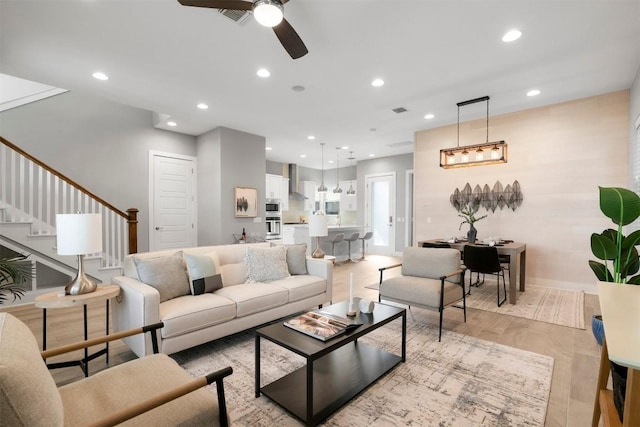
(190, 320)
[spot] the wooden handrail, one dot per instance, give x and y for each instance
(131, 215)
(62, 177)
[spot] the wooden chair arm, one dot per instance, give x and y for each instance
(453, 273)
(107, 338)
(381, 269)
(168, 396)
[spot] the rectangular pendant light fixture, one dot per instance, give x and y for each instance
(489, 153)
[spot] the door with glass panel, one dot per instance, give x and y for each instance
(380, 202)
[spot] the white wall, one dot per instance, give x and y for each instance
(560, 154)
(227, 159)
(98, 143)
(400, 165)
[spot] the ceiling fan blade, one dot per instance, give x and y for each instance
(290, 40)
(219, 4)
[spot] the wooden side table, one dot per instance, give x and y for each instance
(53, 299)
(619, 304)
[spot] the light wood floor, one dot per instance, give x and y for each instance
(575, 351)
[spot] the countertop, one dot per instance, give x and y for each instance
(331, 227)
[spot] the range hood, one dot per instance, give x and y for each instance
(295, 191)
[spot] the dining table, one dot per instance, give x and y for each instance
(516, 251)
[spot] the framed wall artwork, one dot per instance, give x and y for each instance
(246, 202)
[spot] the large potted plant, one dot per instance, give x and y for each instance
(621, 262)
(14, 271)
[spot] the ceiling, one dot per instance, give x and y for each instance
(166, 58)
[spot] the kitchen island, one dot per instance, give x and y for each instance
(299, 233)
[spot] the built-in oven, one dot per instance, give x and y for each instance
(273, 207)
(274, 225)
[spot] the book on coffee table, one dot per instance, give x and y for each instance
(321, 325)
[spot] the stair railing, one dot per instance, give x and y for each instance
(30, 190)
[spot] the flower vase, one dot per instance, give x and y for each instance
(471, 234)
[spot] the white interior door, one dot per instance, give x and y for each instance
(380, 202)
(172, 223)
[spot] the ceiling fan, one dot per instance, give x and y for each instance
(268, 13)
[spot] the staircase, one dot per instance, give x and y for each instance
(31, 194)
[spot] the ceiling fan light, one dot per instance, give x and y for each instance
(268, 12)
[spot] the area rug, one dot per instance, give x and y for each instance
(551, 305)
(462, 381)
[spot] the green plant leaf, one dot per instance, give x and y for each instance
(635, 280)
(601, 271)
(620, 205)
(603, 247)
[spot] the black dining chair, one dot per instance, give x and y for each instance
(485, 260)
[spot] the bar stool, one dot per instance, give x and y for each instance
(338, 238)
(368, 235)
(353, 238)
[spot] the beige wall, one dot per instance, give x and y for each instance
(559, 154)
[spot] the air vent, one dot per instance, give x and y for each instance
(239, 16)
(400, 144)
(399, 110)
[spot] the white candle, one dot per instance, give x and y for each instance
(350, 288)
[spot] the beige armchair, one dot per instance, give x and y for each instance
(431, 278)
(150, 391)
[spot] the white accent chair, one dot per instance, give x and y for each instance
(151, 391)
(431, 278)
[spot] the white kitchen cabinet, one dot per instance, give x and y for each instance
(284, 194)
(310, 189)
(348, 202)
(273, 187)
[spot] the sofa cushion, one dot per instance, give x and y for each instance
(192, 312)
(302, 286)
(167, 274)
(204, 272)
(254, 297)
(266, 264)
(28, 394)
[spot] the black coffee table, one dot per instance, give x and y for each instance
(336, 370)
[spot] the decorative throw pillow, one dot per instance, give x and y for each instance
(166, 274)
(204, 273)
(296, 258)
(266, 264)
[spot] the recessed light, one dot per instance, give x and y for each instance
(330, 161)
(429, 116)
(268, 148)
(202, 106)
(533, 92)
(511, 35)
(172, 124)
(303, 155)
(100, 76)
(263, 72)
(377, 82)
(311, 137)
(372, 155)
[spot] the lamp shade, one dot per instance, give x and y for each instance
(318, 226)
(79, 234)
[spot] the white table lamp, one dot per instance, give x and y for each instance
(79, 234)
(317, 228)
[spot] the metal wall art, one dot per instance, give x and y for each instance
(488, 198)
